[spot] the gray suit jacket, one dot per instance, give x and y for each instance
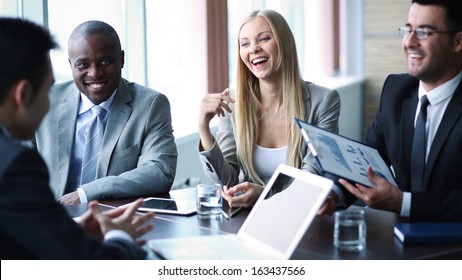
(138, 155)
(220, 164)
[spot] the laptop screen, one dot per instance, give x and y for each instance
(287, 206)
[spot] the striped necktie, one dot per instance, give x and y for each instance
(93, 139)
(419, 150)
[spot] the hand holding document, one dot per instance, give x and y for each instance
(341, 157)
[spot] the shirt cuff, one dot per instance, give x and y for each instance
(406, 204)
(82, 196)
(338, 191)
(117, 233)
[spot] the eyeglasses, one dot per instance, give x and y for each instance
(421, 33)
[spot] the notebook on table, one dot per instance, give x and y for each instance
(435, 232)
(341, 157)
(273, 228)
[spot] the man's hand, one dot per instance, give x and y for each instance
(328, 206)
(383, 196)
(70, 198)
(88, 222)
(123, 219)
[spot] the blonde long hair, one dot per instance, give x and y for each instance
(248, 98)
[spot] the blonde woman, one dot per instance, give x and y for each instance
(256, 130)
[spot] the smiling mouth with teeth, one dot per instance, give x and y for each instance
(259, 60)
(414, 55)
(96, 85)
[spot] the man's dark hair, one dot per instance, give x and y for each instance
(95, 27)
(453, 9)
(24, 51)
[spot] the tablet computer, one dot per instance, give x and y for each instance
(167, 205)
(341, 157)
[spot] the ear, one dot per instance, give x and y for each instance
(458, 42)
(23, 94)
(122, 59)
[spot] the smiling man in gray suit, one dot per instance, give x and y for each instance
(137, 155)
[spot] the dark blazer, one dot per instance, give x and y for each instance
(33, 225)
(391, 133)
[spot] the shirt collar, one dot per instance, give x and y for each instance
(86, 104)
(441, 92)
(4, 131)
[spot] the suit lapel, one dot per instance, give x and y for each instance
(407, 132)
(307, 101)
(118, 117)
(451, 116)
(66, 135)
(303, 148)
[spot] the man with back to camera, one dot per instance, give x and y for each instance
(134, 154)
(33, 225)
(427, 100)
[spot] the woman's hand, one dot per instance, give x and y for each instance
(242, 195)
(212, 104)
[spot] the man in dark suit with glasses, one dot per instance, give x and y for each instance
(418, 125)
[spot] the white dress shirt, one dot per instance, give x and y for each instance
(84, 116)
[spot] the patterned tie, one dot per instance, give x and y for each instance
(93, 138)
(419, 145)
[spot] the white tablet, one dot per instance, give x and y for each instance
(167, 205)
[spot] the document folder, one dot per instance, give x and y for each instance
(341, 157)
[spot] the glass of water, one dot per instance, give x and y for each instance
(350, 230)
(208, 201)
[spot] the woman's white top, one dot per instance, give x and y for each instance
(266, 160)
